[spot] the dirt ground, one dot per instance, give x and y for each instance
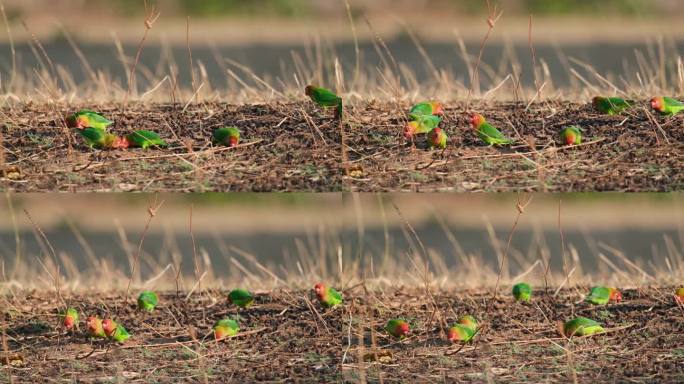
(287, 337)
(294, 147)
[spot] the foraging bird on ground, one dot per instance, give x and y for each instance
(679, 296)
(571, 135)
(424, 124)
(429, 108)
(240, 297)
(147, 301)
(667, 105)
(228, 136)
(611, 105)
(487, 132)
(98, 139)
(88, 119)
(460, 332)
(522, 292)
(580, 326)
(145, 139)
(604, 295)
(94, 325)
(325, 98)
(115, 331)
(70, 319)
(327, 296)
(225, 328)
(438, 139)
(398, 328)
(468, 321)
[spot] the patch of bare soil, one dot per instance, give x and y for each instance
(294, 147)
(287, 336)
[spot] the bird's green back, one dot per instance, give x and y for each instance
(222, 135)
(582, 326)
(334, 297)
(145, 139)
(492, 136)
(241, 297)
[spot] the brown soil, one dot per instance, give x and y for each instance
(284, 338)
(293, 147)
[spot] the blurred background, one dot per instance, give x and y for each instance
(291, 240)
(282, 41)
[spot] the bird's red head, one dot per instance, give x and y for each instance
(403, 329)
(109, 326)
(79, 122)
(679, 296)
(410, 130)
(309, 90)
(452, 335)
(437, 108)
(319, 289)
(92, 323)
(121, 143)
(658, 103)
(615, 295)
(570, 138)
(477, 120)
(233, 141)
(68, 322)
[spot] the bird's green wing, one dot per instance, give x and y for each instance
(145, 139)
(96, 120)
(492, 136)
(420, 110)
(120, 334)
(599, 295)
(325, 97)
(93, 137)
(334, 296)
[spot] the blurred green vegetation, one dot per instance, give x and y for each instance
(295, 8)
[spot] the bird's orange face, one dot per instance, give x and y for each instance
(319, 289)
(108, 326)
(452, 335)
(410, 130)
(679, 296)
(92, 323)
(68, 322)
(121, 143)
(477, 120)
(403, 329)
(658, 103)
(437, 108)
(615, 295)
(570, 138)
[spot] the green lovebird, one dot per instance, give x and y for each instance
(426, 109)
(225, 328)
(147, 301)
(96, 138)
(580, 326)
(240, 297)
(611, 105)
(94, 325)
(145, 139)
(328, 297)
(70, 319)
(667, 105)
(571, 135)
(424, 124)
(468, 322)
(487, 132)
(438, 139)
(88, 119)
(460, 332)
(604, 295)
(228, 136)
(679, 296)
(398, 328)
(325, 98)
(522, 292)
(115, 331)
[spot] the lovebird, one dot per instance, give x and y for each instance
(571, 135)
(580, 326)
(424, 124)
(70, 319)
(460, 332)
(468, 321)
(115, 331)
(604, 295)
(325, 98)
(88, 119)
(145, 139)
(611, 105)
(94, 325)
(522, 292)
(225, 328)
(426, 109)
(487, 132)
(147, 301)
(328, 297)
(240, 297)
(679, 296)
(96, 138)
(398, 328)
(667, 105)
(228, 136)
(438, 139)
